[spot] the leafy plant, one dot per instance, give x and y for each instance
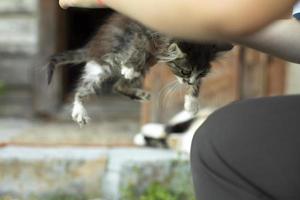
(166, 181)
(57, 195)
(63, 197)
(128, 193)
(2, 87)
(157, 192)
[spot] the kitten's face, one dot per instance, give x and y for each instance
(186, 72)
(194, 60)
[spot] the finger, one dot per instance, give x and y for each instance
(63, 4)
(79, 3)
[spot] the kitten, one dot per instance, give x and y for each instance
(127, 50)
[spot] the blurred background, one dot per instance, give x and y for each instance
(44, 155)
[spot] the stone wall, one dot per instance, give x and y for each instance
(93, 173)
(18, 49)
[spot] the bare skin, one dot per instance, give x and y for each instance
(249, 22)
(280, 39)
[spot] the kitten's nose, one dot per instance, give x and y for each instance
(187, 81)
(190, 82)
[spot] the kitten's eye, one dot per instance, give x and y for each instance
(202, 74)
(185, 72)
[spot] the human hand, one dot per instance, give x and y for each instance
(81, 3)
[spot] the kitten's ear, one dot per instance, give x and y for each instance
(221, 47)
(173, 52)
(177, 51)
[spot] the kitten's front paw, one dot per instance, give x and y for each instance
(79, 114)
(143, 96)
(129, 73)
(191, 104)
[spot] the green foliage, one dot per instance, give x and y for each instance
(6, 198)
(143, 184)
(157, 192)
(52, 196)
(128, 193)
(62, 196)
(2, 87)
(59, 195)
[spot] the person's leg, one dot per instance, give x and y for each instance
(249, 150)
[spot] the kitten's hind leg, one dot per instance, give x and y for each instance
(94, 76)
(132, 89)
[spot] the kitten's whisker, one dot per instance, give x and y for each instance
(163, 95)
(182, 90)
(163, 92)
(168, 94)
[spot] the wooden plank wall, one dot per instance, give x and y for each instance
(51, 29)
(30, 31)
(18, 48)
(260, 74)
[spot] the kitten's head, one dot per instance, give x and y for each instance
(190, 62)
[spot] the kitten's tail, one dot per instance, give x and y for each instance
(68, 57)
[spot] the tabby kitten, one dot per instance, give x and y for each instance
(125, 49)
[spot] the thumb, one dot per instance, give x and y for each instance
(63, 4)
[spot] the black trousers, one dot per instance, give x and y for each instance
(249, 150)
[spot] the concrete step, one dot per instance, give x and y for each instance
(119, 132)
(47, 173)
(90, 173)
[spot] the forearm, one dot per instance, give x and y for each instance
(200, 20)
(279, 39)
(173, 17)
(203, 19)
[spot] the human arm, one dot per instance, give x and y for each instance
(80, 3)
(200, 20)
(279, 39)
